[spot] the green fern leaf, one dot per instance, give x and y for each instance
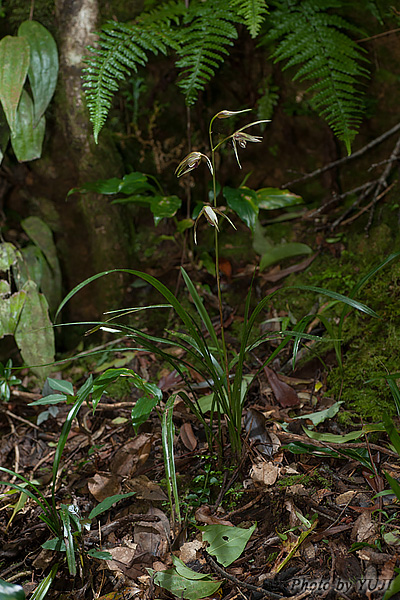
(209, 29)
(314, 38)
(253, 13)
(122, 48)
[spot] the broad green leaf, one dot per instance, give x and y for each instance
(226, 543)
(27, 138)
(142, 409)
(30, 265)
(34, 333)
(8, 256)
(56, 544)
(11, 591)
(392, 432)
(101, 554)
(60, 385)
(135, 183)
(14, 64)
(107, 503)
(243, 201)
(394, 484)
(332, 437)
(4, 133)
(184, 571)
(43, 65)
(164, 207)
(182, 587)
(274, 198)
(319, 417)
(42, 236)
(206, 403)
(282, 251)
(49, 400)
(10, 310)
(393, 588)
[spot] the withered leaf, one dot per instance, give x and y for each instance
(284, 394)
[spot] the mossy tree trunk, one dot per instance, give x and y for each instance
(91, 233)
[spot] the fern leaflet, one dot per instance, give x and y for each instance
(121, 49)
(314, 38)
(253, 13)
(209, 30)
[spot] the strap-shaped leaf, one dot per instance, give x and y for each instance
(43, 66)
(14, 63)
(26, 139)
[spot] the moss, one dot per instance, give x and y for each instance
(370, 346)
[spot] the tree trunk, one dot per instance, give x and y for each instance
(92, 237)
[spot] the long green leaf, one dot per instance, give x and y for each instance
(14, 64)
(200, 308)
(108, 503)
(27, 138)
(68, 539)
(81, 397)
(43, 66)
(167, 435)
(43, 587)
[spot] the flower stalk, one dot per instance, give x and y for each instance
(190, 162)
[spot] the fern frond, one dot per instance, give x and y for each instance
(314, 38)
(121, 49)
(253, 13)
(209, 29)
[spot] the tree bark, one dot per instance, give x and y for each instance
(92, 237)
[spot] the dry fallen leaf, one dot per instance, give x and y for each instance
(364, 529)
(101, 486)
(146, 489)
(203, 515)
(284, 394)
(187, 436)
(131, 455)
(264, 472)
(188, 551)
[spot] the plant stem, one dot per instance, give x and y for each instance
(218, 280)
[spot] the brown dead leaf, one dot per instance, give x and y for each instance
(203, 515)
(364, 530)
(131, 455)
(188, 551)
(101, 486)
(255, 425)
(187, 436)
(146, 489)
(122, 558)
(284, 394)
(152, 538)
(264, 472)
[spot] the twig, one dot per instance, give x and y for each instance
(369, 205)
(122, 522)
(345, 159)
(18, 418)
(382, 182)
(242, 584)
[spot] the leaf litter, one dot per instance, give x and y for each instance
(309, 504)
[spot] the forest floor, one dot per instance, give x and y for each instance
(308, 480)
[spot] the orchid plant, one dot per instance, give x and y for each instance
(201, 350)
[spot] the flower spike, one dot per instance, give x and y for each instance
(190, 162)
